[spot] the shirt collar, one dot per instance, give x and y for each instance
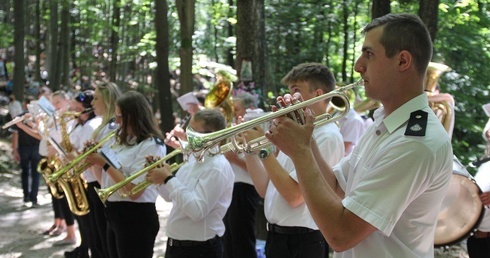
(401, 115)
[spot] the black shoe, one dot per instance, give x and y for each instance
(73, 253)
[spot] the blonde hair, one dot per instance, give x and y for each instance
(110, 93)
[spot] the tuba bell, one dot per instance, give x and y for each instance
(220, 95)
(441, 103)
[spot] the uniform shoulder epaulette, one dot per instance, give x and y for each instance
(112, 124)
(417, 123)
(158, 141)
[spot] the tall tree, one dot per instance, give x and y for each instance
(116, 22)
(162, 75)
(380, 8)
(429, 12)
(186, 12)
(19, 36)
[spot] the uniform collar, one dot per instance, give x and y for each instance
(401, 115)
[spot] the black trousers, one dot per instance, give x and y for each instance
(64, 210)
(212, 248)
(311, 245)
(239, 238)
(478, 247)
(98, 222)
(131, 229)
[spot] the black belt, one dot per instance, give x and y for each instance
(187, 243)
(288, 230)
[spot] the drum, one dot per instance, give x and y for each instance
(461, 210)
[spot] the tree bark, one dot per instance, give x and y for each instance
(429, 12)
(37, 38)
(162, 75)
(52, 56)
(380, 8)
(186, 12)
(19, 36)
(245, 35)
(116, 22)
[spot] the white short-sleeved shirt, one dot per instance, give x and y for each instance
(132, 159)
(397, 183)
(277, 210)
(201, 194)
(79, 136)
(352, 127)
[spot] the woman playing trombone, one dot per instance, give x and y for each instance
(137, 137)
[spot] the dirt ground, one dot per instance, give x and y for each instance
(21, 227)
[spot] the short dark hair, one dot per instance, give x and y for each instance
(212, 119)
(404, 31)
(318, 75)
(136, 113)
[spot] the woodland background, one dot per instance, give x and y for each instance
(168, 48)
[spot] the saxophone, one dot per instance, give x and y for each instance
(73, 186)
(47, 166)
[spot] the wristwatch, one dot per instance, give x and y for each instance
(264, 153)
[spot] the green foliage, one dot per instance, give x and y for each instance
(6, 29)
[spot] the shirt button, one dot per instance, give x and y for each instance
(378, 132)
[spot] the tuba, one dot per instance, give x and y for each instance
(441, 103)
(220, 96)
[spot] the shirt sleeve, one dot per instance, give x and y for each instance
(389, 185)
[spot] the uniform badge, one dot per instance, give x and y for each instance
(417, 124)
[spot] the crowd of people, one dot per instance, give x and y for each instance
(361, 192)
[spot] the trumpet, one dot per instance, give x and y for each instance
(106, 192)
(200, 143)
(56, 175)
(143, 185)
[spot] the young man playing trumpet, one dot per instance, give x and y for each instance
(291, 229)
(201, 193)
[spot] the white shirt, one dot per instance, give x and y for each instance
(241, 175)
(79, 136)
(15, 108)
(351, 127)
(132, 160)
(277, 210)
(482, 178)
(397, 183)
(201, 194)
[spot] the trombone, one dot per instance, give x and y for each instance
(200, 142)
(106, 192)
(56, 175)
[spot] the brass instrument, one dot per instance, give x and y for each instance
(73, 187)
(45, 167)
(440, 103)
(60, 172)
(106, 192)
(199, 142)
(143, 185)
(220, 96)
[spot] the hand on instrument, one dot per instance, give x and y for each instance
(158, 175)
(51, 150)
(288, 135)
(95, 159)
(485, 198)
